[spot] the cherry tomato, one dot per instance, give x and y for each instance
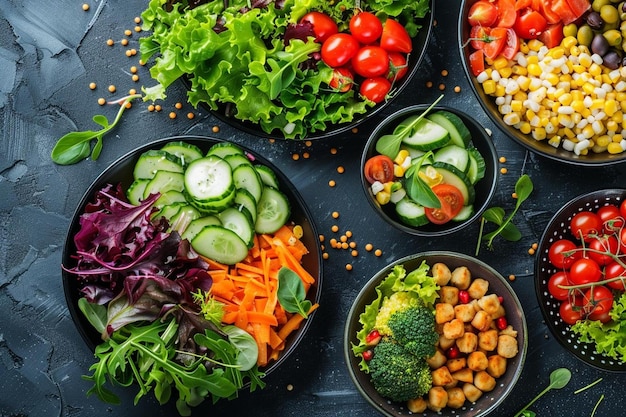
(477, 62)
(506, 13)
(611, 218)
(557, 279)
(479, 36)
(498, 38)
(511, 46)
(562, 253)
(395, 37)
(585, 225)
(371, 61)
(530, 24)
(342, 80)
(622, 209)
(482, 13)
(601, 249)
(552, 35)
(378, 168)
(570, 311)
(584, 271)
(622, 241)
(598, 303)
(339, 49)
(614, 270)
(375, 89)
(366, 27)
(323, 25)
(397, 66)
(451, 204)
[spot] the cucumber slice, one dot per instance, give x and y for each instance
(220, 244)
(135, 191)
(186, 152)
(453, 155)
(453, 176)
(268, 176)
(156, 160)
(208, 180)
(477, 168)
(198, 224)
(245, 177)
(222, 149)
(181, 220)
(164, 181)
(213, 206)
(168, 211)
(273, 211)
(411, 213)
(244, 199)
(237, 159)
(170, 197)
(459, 133)
(239, 222)
(427, 136)
(465, 213)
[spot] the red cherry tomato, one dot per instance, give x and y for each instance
(622, 209)
(506, 13)
(477, 62)
(562, 253)
(375, 89)
(366, 27)
(451, 204)
(497, 39)
(511, 46)
(584, 271)
(482, 13)
(339, 49)
(611, 219)
(479, 36)
(570, 311)
(342, 80)
(622, 241)
(397, 66)
(598, 303)
(602, 247)
(614, 270)
(378, 168)
(530, 24)
(323, 25)
(395, 37)
(557, 279)
(585, 225)
(371, 61)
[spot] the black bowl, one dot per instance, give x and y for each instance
(485, 188)
(121, 171)
(540, 147)
(489, 401)
(558, 228)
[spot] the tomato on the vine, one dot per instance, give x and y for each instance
(339, 49)
(598, 303)
(585, 225)
(602, 247)
(366, 27)
(397, 66)
(584, 271)
(557, 279)
(571, 311)
(530, 24)
(611, 219)
(451, 201)
(482, 13)
(622, 209)
(378, 168)
(395, 37)
(622, 241)
(323, 25)
(342, 79)
(371, 61)
(615, 270)
(562, 253)
(497, 39)
(375, 89)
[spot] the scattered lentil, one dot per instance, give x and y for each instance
(110, 42)
(511, 277)
(137, 19)
(215, 129)
(335, 214)
(348, 267)
(369, 247)
(295, 156)
(333, 151)
(348, 233)
(124, 42)
(355, 253)
(135, 77)
(457, 88)
(378, 252)
(190, 115)
(92, 86)
(325, 255)
(343, 238)
(112, 88)
(352, 244)
(514, 195)
(308, 143)
(534, 246)
(340, 169)
(102, 101)
(137, 29)
(442, 86)
(531, 251)
(178, 105)
(289, 387)
(132, 91)
(128, 32)
(85, 7)
(355, 130)
(429, 84)
(332, 183)
(344, 245)
(172, 115)
(321, 238)
(334, 228)
(502, 159)
(503, 170)
(151, 107)
(306, 155)
(444, 72)
(133, 69)
(157, 107)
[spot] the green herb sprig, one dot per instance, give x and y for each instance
(559, 378)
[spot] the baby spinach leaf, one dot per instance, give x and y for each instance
(291, 293)
(417, 189)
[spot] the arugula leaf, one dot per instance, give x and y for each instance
(291, 292)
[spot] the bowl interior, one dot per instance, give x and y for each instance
(420, 44)
(489, 105)
(497, 284)
(558, 228)
(485, 188)
(122, 171)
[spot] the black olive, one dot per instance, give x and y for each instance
(599, 45)
(611, 60)
(594, 20)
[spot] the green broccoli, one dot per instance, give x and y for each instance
(397, 374)
(414, 329)
(396, 302)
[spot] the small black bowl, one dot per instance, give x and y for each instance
(489, 401)
(121, 171)
(558, 228)
(485, 188)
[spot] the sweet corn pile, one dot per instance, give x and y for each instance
(563, 95)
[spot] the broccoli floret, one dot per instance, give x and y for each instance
(397, 374)
(396, 302)
(414, 329)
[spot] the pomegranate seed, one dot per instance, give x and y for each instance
(368, 354)
(453, 352)
(501, 299)
(372, 338)
(501, 323)
(464, 297)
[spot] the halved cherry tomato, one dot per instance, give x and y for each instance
(371, 61)
(477, 62)
(339, 49)
(397, 66)
(323, 25)
(378, 168)
(395, 37)
(511, 46)
(506, 13)
(482, 13)
(342, 79)
(451, 204)
(552, 35)
(375, 89)
(497, 39)
(529, 24)
(598, 303)
(366, 27)
(478, 36)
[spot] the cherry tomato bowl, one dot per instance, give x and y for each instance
(466, 34)
(489, 401)
(557, 231)
(484, 189)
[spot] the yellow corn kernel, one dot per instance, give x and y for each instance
(585, 60)
(387, 186)
(555, 141)
(614, 148)
(595, 70)
(530, 114)
(565, 99)
(401, 156)
(511, 119)
(500, 63)
(525, 128)
(611, 125)
(620, 96)
(552, 78)
(618, 117)
(603, 140)
(610, 107)
(523, 47)
(383, 197)
(532, 59)
(557, 52)
(430, 176)
(588, 131)
(505, 72)
(517, 106)
(398, 170)
(617, 138)
(569, 133)
(574, 51)
(489, 87)
(520, 96)
(534, 69)
(500, 90)
(564, 120)
(543, 121)
(535, 45)
(588, 88)
(539, 133)
(597, 103)
(568, 42)
(577, 95)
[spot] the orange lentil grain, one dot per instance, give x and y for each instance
(178, 105)
(352, 244)
(151, 107)
(158, 107)
(128, 105)
(332, 183)
(137, 29)
(172, 115)
(141, 62)
(133, 69)
(295, 156)
(135, 77)
(85, 7)
(534, 246)
(444, 72)
(531, 251)
(348, 267)
(369, 247)
(325, 255)
(334, 228)
(502, 159)
(457, 89)
(128, 53)
(321, 238)
(308, 143)
(344, 245)
(503, 170)
(133, 52)
(190, 115)
(429, 84)
(355, 130)
(124, 42)
(442, 86)
(112, 88)
(514, 195)
(335, 214)
(378, 252)
(215, 129)
(511, 277)
(333, 151)
(92, 86)
(128, 32)
(102, 101)
(354, 253)
(343, 238)
(137, 19)
(132, 91)
(306, 155)
(110, 42)
(341, 169)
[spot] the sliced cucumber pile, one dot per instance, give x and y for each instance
(217, 200)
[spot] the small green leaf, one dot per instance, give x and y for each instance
(291, 292)
(494, 215)
(96, 314)
(101, 120)
(417, 189)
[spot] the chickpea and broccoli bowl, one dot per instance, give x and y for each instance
(435, 331)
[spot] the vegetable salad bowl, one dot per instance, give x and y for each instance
(497, 284)
(541, 142)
